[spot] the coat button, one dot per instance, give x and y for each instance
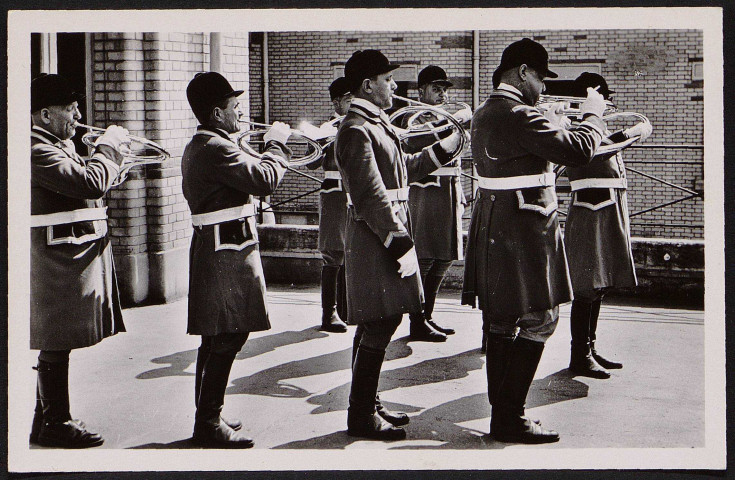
(492, 241)
(492, 198)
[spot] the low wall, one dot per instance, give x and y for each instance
(665, 268)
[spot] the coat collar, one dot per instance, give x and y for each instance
(45, 136)
(369, 110)
(508, 91)
(212, 131)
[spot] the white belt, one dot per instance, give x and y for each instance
(220, 216)
(447, 172)
(394, 195)
(332, 175)
(522, 181)
(72, 216)
(598, 183)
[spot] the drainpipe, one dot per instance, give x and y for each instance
(49, 61)
(266, 81)
(475, 69)
(215, 52)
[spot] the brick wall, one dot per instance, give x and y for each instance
(650, 70)
(140, 83)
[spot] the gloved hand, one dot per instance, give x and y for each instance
(464, 115)
(279, 132)
(594, 104)
(328, 129)
(117, 138)
(555, 114)
(644, 129)
(450, 143)
(409, 263)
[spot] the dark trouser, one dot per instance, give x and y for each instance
(371, 339)
(52, 388)
(432, 275)
(334, 294)
(535, 326)
(214, 362)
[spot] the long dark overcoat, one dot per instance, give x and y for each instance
(371, 162)
(74, 296)
(436, 204)
(515, 260)
(226, 283)
(597, 232)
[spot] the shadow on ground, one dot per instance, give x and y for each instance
(442, 424)
(178, 362)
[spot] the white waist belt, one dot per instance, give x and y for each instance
(522, 181)
(447, 172)
(598, 183)
(72, 216)
(332, 175)
(394, 195)
(219, 216)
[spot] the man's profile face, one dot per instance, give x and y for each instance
(434, 94)
(380, 89)
(534, 84)
(342, 104)
(231, 115)
(61, 119)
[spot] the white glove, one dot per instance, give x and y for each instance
(116, 138)
(555, 114)
(279, 132)
(409, 263)
(450, 143)
(643, 129)
(594, 104)
(463, 116)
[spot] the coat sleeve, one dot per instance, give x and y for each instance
(420, 164)
(537, 135)
(54, 170)
(249, 174)
(362, 179)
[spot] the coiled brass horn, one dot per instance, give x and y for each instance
(313, 148)
(142, 151)
(416, 109)
(611, 113)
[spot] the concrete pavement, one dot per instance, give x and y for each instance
(290, 385)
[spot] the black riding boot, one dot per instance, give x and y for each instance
(581, 361)
(37, 418)
(431, 290)
(362, 419)
(594, 315)
(209, 429)
(57, 428)
(496, 363)
(422, 331)
(508, 421)
(202, 355)
(398, 419)
(330, 319)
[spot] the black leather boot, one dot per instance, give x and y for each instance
(594, 315)
(202, 354)
(496, 363)
(431, 289)
(37, 418)
(57, 428)
(395, 418)
(581, 361)
(508, 421)
(330, 319)
(362, 419)
(209, 429)
(421, 331)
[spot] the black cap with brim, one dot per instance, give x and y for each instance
(525, 52)
(49, 90)
(208, 89)
(592, 80)
(366, 64)
(433, 74)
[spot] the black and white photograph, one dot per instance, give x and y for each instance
(366, 239)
